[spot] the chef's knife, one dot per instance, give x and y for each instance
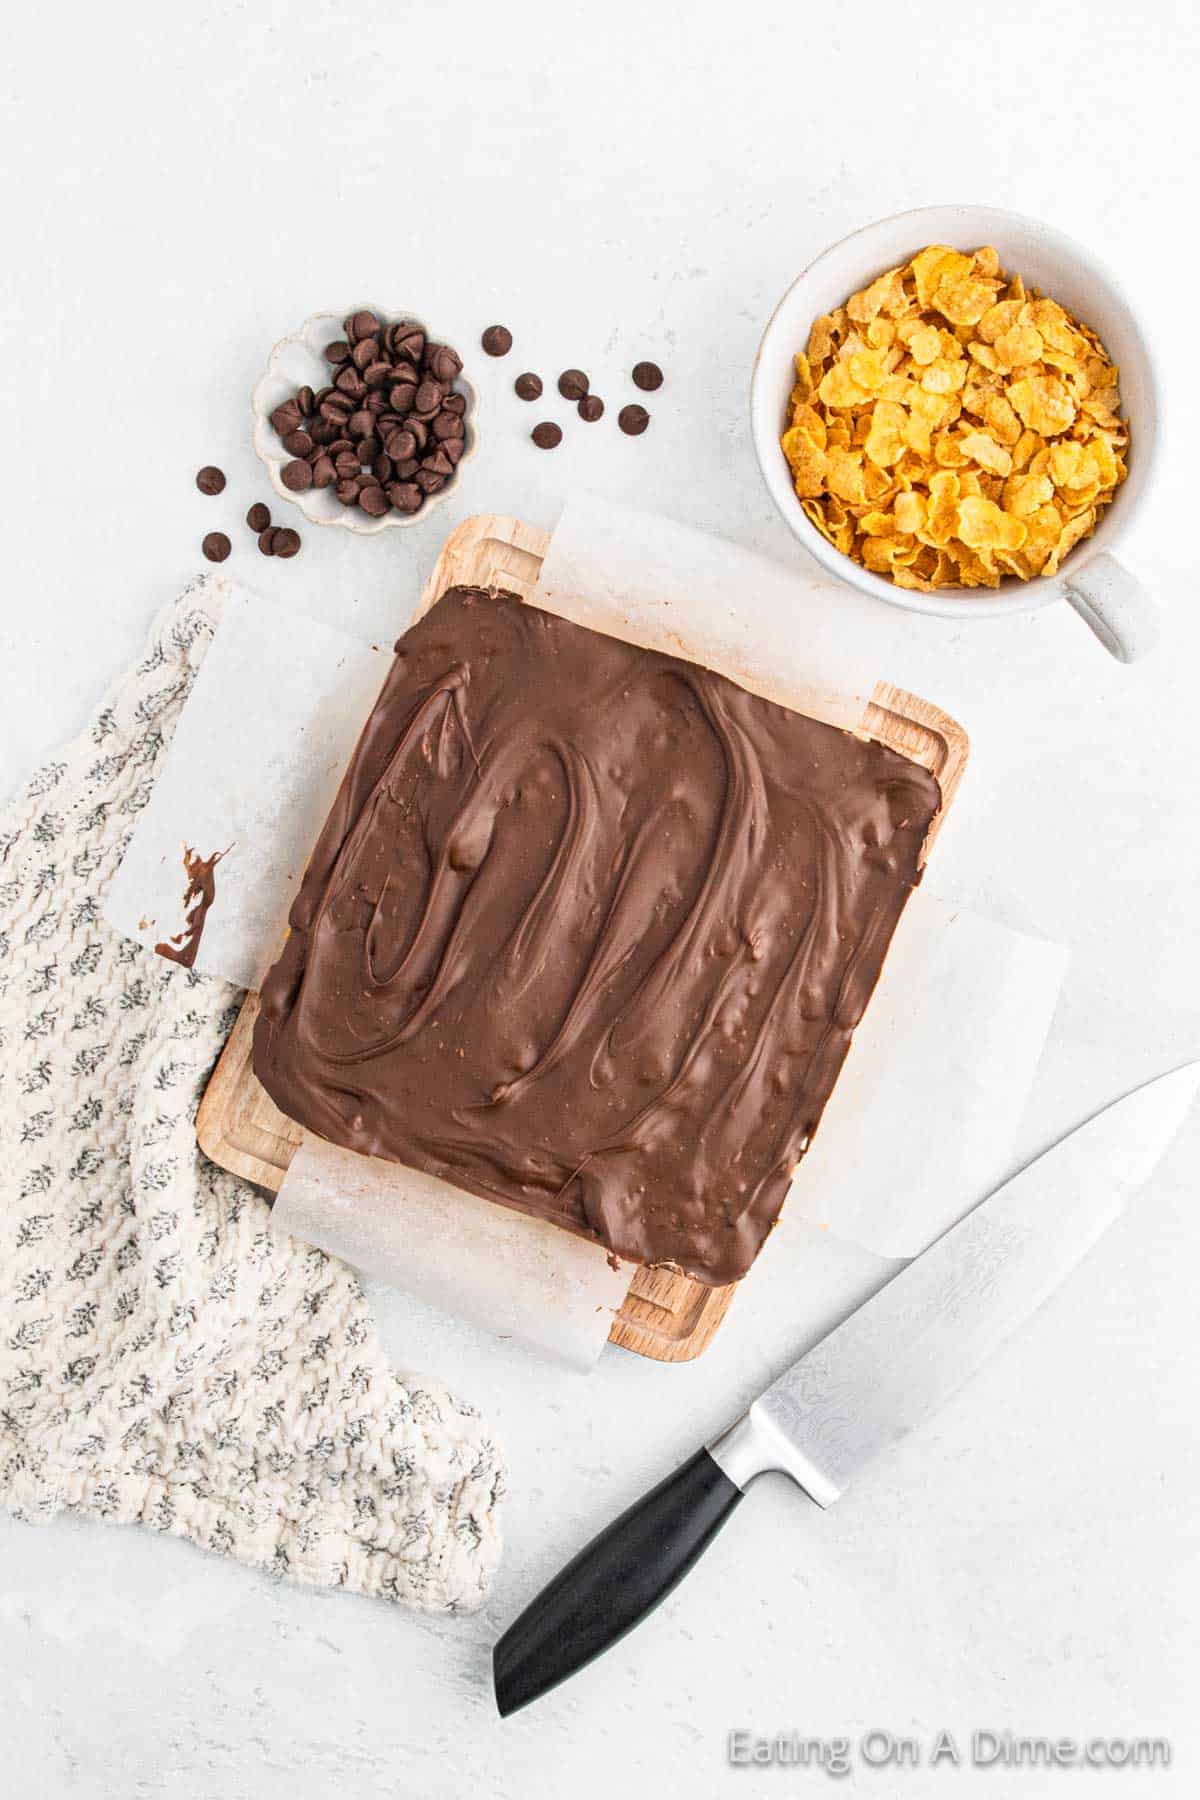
(860, 1389)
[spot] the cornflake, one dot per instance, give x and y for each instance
(950, 427)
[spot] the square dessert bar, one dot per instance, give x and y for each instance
(587, 932)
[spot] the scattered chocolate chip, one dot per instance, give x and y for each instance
(591, 408)
(633, 420)
(572, 384)
(528, 387)
(647, 376)
(296, 476)
(216, 545)
(497, 340)
(266, 540)
(287, 541)
(547, 435)
(286, 418)
(259, 516)
(211, 480)
(337, 352)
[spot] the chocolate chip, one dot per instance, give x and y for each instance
(528, 387)
(647, 376)
(296, 476)
(306, 401)
(447, 425)
(364, 353)
(324, 474)
(572, 384)
(347, 490)
(373, 500)
(497, 340)
(287, 541)
(547, 435)
(454, 448)
(402, 396)
(420, 431)
(443, 363)
(216, 546)
(455, 403)
(361, 422)
(210, 480)
(383, 469)
(401, 444)
(405, 496)
(266, 540)
(337, 352)
(633, 420)
(348, 465)
(409, 343)
(591, 408)
(404, 471)
(377, 375)
(298, 443)
(439, 462)
(361, 325)
(429, 398)
(369, 447)
(259, 516)
(428, 481)
(350, 382)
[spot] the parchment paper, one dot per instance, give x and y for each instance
(809, 643)
(517, 1277)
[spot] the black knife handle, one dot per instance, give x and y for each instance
(620, 1577)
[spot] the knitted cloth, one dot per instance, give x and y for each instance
(165, 1359)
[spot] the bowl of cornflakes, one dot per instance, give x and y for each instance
(955, 410)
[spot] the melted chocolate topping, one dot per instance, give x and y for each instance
(587, 931)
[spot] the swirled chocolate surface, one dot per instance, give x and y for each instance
(587, 932)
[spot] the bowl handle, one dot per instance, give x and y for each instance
(1116, 606)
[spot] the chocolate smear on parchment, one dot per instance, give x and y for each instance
(198, 896)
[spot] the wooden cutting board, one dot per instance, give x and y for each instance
(665, 1315)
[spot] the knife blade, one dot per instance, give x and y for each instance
(861, 1388)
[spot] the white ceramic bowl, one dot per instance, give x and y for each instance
(1110, 600)
(297, 361)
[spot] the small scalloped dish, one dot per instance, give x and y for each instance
(298, 360)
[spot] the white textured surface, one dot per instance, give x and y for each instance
(612, 185)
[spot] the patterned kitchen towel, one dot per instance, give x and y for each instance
(164, 1358)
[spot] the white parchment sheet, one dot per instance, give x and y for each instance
(928, 1101)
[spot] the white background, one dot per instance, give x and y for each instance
(617, 181)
